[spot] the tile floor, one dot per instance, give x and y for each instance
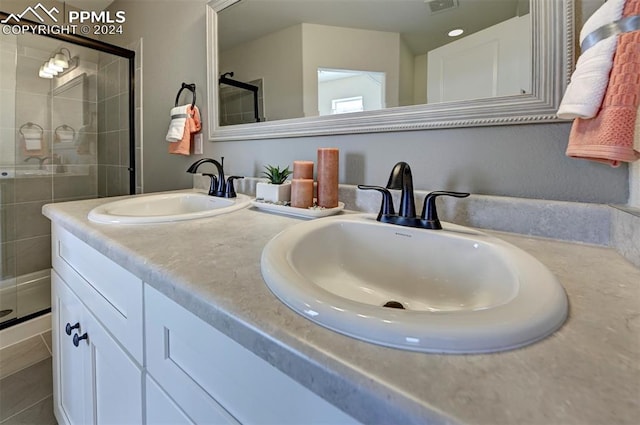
(26, 382)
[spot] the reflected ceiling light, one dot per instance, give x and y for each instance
(456, 32)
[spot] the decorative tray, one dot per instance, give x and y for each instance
(312, 212)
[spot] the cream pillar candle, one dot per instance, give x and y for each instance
(303, 170)
(328, 177)
(302, 193)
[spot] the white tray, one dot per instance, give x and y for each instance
(298, 212)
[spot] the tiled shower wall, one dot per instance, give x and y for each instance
(113, 126)
(137, 47)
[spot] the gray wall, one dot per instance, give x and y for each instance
(522, 160)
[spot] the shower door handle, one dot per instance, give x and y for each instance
(70, 328)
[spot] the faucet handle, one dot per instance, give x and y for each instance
(429, 211)
(229, 190)
(386, 208)
(213, 187)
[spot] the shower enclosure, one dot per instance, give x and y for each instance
(63, 137)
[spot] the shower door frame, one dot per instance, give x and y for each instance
(103, 47)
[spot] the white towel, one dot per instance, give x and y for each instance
(32, 139)
(65, 136)
(178, 120)
(33, 143)
(590, 79)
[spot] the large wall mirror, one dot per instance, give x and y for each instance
(280, 68)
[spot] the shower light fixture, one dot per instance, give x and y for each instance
(53, 68)
(58, 64)
(43, 73)
(59, 59)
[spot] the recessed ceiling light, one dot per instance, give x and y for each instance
(456, 32)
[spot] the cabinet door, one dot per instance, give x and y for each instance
(96, 381)
(115, 381)
(69, 361)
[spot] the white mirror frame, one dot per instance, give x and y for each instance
(553, 59)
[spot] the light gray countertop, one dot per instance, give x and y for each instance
(588, 372)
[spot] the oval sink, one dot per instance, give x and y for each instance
(165, 207)
(455, 290)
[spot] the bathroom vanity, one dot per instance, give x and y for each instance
(113, 365)
(176, 325)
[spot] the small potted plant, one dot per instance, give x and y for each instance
(277, 189)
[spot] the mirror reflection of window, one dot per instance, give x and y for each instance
(343, 91)
(344, 106)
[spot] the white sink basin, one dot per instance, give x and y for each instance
(165, 207)
(463, 291)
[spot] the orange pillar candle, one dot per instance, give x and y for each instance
(302, 193)
(303, 170)
(328, 177)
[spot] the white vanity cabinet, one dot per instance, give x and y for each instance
(97, 361)
(166, 366)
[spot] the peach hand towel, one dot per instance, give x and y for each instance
(609, 136)
(192, 126)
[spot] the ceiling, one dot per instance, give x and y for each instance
(422, 29)
(90, 5)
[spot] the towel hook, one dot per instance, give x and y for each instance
(192, 88)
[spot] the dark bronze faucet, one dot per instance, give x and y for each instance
(402, 179)
(219, 186)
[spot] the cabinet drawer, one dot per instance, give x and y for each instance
(111, 293)
(200, 367)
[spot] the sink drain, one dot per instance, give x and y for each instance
(394, 304)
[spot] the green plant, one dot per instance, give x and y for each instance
(276, 175)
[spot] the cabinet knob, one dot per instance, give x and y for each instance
(77, 339)
(70, 328)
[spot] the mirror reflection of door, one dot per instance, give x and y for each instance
(342, 91)
(493, 62)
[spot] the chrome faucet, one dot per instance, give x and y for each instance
(401, 178)
(219, 186)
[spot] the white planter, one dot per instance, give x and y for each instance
(274, 192)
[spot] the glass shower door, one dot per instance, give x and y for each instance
(63, 137)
